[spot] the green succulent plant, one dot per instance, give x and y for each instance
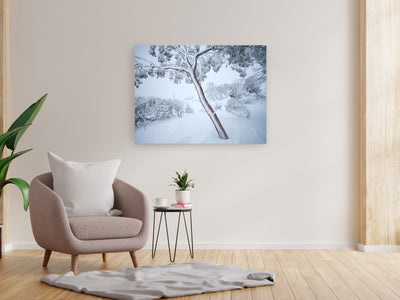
(182, 182)
(10, 140)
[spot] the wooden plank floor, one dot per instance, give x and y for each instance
(301, 274)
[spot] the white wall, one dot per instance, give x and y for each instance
(298, 189)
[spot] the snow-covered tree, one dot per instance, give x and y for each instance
(149, 109)
(192, 63)
(237, 108)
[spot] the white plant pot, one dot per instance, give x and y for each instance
(182, 196)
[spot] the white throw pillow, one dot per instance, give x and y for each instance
(85, 188)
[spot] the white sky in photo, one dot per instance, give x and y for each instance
(165, 88)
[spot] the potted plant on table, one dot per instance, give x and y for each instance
(183, 183)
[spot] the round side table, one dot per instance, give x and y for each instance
(163, 213)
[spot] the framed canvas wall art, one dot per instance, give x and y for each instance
(200, 94)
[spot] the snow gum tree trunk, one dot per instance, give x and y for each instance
(207, 107)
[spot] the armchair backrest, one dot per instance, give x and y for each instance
(46, 179)
(123, 192)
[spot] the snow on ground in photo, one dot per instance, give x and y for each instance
(197, 128)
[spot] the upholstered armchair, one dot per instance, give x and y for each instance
(54, 231)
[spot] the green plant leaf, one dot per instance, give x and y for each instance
(5, 162)
(25, 118)
(23, 187)
(5, 136)
(179, 176)
(184, 178)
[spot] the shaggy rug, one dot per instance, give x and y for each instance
(154, 282)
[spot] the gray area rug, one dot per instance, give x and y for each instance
(154, 282)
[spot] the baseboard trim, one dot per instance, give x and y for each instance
(258, 246)
(378, 248)
(25, 246)
(7, 247)
(205, 246)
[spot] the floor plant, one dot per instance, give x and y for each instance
(10, 140)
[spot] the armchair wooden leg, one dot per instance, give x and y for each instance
(46, 257)
(133, 257)
(104, 257)
(74, 263)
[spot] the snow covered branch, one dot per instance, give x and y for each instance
(183, 55)
(175, 68)
(199, 54)
(204, 51)
(188, 62)
(142, 59)
(165, 67)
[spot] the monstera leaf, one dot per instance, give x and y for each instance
(11, 139)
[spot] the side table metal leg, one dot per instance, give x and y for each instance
(190, 244)
(169, 246)
(154, 246)
(152, 239)
(177, 233)
(191, 233)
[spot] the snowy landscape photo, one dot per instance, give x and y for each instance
(201, 94)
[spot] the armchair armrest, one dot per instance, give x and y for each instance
(49, 220)
(132, 202)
